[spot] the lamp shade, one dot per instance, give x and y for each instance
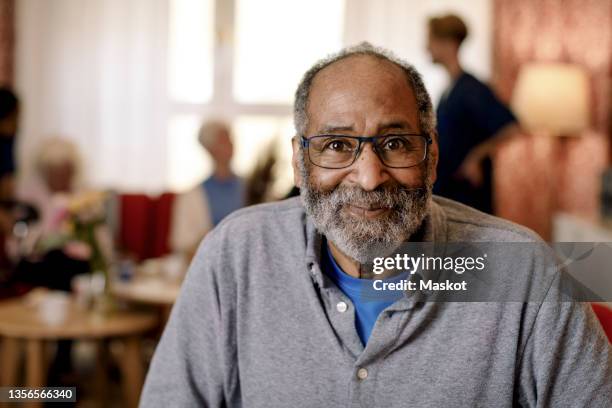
(553, 97)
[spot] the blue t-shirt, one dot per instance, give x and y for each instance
(224, 196)
(467, 115)
(368, 302)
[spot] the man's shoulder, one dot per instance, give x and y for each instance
(465, 223)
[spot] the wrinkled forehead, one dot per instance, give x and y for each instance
(361, 89)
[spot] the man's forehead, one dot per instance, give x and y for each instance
(362, 85)
(357, 66)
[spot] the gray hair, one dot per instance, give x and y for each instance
(209, 131)
(427, 118)
(57, 151)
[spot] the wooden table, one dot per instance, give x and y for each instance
(20, 324)
(149, 291)
(152, 291)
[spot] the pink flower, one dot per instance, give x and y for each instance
(78, 250)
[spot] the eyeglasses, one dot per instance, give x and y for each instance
(339, 151)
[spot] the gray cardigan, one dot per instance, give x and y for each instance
(257, 325)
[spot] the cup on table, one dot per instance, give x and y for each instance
(53, 308)
(81, 287)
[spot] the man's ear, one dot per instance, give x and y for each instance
(297, 174)
(434, 154)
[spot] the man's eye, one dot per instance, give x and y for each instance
(395, 144)
(337, 146)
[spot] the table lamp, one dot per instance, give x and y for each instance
(552, 97)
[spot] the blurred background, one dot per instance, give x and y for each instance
(131, 127)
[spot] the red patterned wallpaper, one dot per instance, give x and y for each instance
(537, 175)
(7, 9)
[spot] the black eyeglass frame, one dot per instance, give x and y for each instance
(304, 141)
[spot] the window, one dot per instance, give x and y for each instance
(241, 61)
(257, 136)
(188, 163)
(190, 50)
(277, 41)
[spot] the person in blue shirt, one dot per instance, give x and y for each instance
(472, 122)
(197, 211)
(224, 190)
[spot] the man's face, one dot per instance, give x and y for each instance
(367, 207)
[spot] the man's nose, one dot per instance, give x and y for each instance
(368, 171)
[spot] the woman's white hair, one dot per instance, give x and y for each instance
(209, 131)
(57, 151)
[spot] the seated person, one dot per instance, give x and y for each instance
(9, 109)
(198, 210)
(13, 213)
(70, 237)
(267, 315)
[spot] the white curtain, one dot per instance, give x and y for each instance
(401, 26)
(95, 72)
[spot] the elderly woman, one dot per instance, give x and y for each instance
(198, 210)
(70, 237)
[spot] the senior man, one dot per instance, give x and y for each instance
(268, 315)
